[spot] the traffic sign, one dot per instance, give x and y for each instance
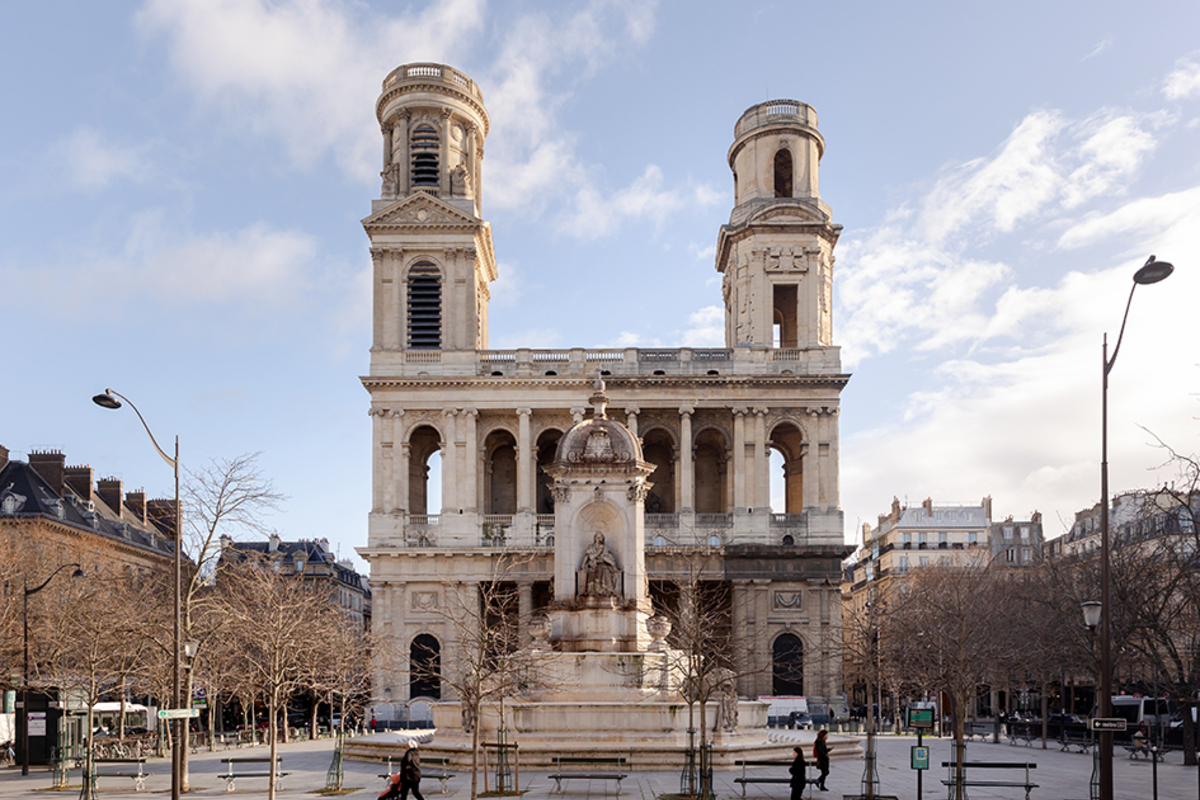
(1106, 724)
(920, 757)
(178, 713)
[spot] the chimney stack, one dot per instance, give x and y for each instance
(80, 480)
(136, 502)
(161, 512)
(109, 491)
(3, 456)
(49, 465)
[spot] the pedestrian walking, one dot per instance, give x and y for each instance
(373, 723)
(797, 769)
(821, 752)
(407, 779)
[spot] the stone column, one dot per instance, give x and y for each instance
(743, 648)
(808, 454)
(761, 592)
(444, 156)
(399, 337)
(400, 152)
(739, 458)
(386, 130)
(524, 609)
(524, 462)
(762, 463)
(376, 415)
(450, 470)
(830, 466)
(403, 469)
(631, 415)
(468, 421)
(379, 304)
(388, 457)
(687, 480)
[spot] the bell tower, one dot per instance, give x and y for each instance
(776, 253)
(432, 252)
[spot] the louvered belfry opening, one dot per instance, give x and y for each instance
(425, 147)
(424, 307)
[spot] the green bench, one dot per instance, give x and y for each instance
(580, 768)
(755, 777)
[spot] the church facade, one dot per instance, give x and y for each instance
(707, 420)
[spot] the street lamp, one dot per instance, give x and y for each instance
(78, 573)
(1151, 272)
(109, 400)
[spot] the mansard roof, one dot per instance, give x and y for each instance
(24, 494)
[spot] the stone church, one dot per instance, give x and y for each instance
(707, 420)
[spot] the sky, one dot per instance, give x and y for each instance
(181, 184)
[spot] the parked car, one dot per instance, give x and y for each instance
(800, 721)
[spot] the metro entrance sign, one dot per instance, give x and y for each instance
(1106, 724)
(178, 713)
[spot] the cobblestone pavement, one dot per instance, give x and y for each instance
(1061, 776)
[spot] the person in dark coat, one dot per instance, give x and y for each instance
(797, 769)
(821, 751)
(408, 778)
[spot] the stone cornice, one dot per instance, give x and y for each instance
(410, 86)
(839, 381)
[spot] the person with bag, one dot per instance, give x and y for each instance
(797, 769)
(408, 778)
(821, 754)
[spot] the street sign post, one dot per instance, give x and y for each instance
(1106, 724)
(178, 713)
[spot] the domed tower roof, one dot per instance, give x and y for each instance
(598, 440)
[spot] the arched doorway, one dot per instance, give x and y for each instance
(547, 446)
(425, 667)
(787, 665)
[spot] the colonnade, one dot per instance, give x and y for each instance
(810, 473)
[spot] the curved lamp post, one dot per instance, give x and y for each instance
(1152, 271)
(109, 400)
(78, 573)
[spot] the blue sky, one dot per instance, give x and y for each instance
(181, 184)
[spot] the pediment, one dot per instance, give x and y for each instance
(421, 210)
(788, 211)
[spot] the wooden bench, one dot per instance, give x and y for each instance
(139, 777)
(589, 768)
(439, 774)
(758, 778)
(232, 776)
(1026, 784)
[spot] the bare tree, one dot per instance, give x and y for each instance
(487, 667)
(276, 620)
(951, 610)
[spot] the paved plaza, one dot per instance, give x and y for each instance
(1062, 776)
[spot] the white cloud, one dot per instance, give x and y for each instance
(305, 72)
(917, 282)
(703, 252)
(595, 215)
(1184, 80)
(706, 328)
(1101, 46)
(91, 162)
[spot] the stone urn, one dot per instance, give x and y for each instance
(539, 630)
(659, 628)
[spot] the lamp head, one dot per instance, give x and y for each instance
(78, 573)
(106, 400)
(1091, 613)
(1153, 271)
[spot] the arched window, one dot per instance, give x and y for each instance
(547, 447)
(709, 472)
(787, 469)
(424, 307)
(501, 449)
(425, 146)
(424, 458)
(787, 665)
(783, 173)
(658, 448)
(425, 665)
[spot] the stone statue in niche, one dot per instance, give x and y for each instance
(460, 182)
(599, 571)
